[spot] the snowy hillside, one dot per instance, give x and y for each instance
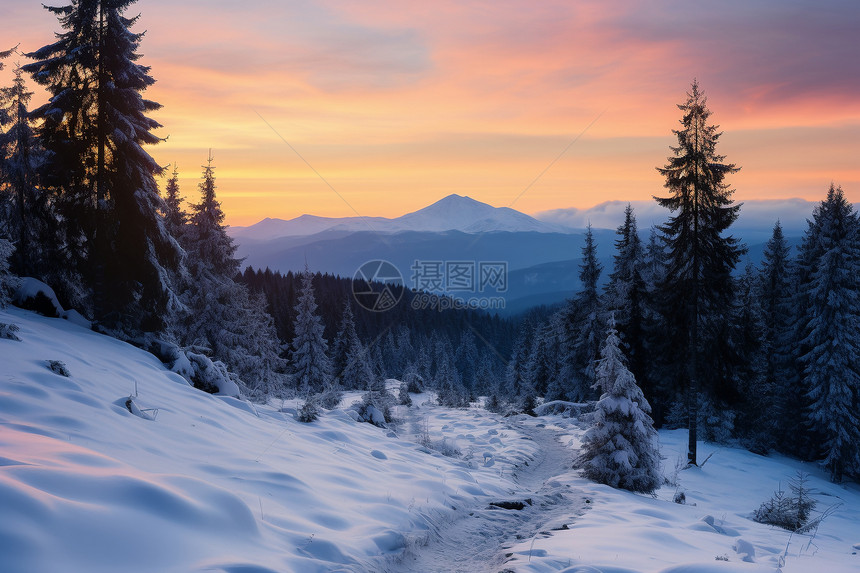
(195, 482)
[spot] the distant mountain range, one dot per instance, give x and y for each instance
(453, 213)
(542, 254)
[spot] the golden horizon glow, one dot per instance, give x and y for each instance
(397, 107)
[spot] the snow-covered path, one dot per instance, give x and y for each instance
(478, 538)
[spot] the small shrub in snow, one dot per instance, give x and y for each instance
(493, 404)
(58, 367)
(789, 511)
(8, 331)
(331, 396)
(403, 397)
(375, 406)
(203, 373)
(308, 412)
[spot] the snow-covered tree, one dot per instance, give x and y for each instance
(697, 290)
(466, 359)
(485, 376)
(351, 361)
(449, 385)
(6, 279)
(310, 362)
(831, 343)
(26, 215)
(759, 403)
(621, 448)
(207, 235)
(174, 216)
(515, 370)
(776, 290)
(219, 314)
(541, 367)
(626, 294)
(581, 326)
(94, 128)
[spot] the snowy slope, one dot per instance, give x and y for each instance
(215, 484)
(212, 483)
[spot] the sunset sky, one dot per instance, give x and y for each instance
(399, 104)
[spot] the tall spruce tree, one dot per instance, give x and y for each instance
(219, 313)
(174, 216)
(776, 290)
(26, 209)
(310, 362)
(830, 341)
(582, 330)
(351, 361)
(626, 295)
(697, 290)
(94, 128)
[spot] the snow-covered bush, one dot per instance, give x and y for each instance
(414, 381)
(201, 371)
(789, 511)
(308, 412)
(331, 395)
(8, 331)
(370, 413)
(493, 404)
(375, 405)
(621, 448)
(403, 397)
(33, 294)
(58, 367)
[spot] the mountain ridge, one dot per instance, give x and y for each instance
(451, 213)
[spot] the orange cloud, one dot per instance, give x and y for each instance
(398, 105)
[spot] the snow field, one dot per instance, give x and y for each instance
(624, 532)
(196, 482)
(212, 483)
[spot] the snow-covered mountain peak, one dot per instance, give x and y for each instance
(451, 213)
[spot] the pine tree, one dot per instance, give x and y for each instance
(621, 448)
(5, 54)
(626, 295)
(758, 409)
(776, 292)
(830, 333)
(350, 362)
(661, 368)
(216, 312)
(174, 217)
(208, 237)
(466, 359)
(514, 372)
(581, 333)
(540, 368)
(697, 289)
(29, 219)
(311, 366)
(6, 279)
(94, 128)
